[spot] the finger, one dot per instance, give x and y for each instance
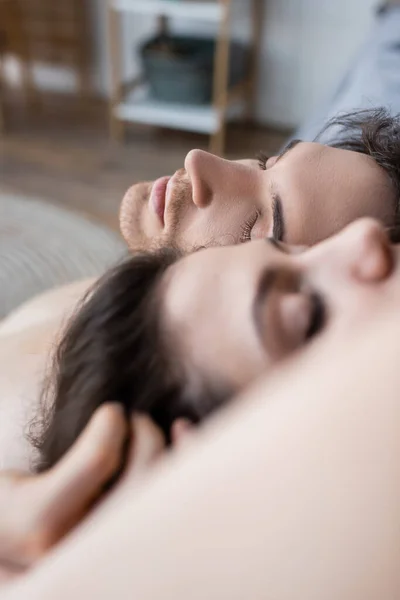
(147, 443)
(74, 483)
(180, 431)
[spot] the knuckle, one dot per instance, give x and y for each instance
(104, 462)
(35, 539)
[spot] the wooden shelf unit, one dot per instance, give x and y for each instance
(130, 101)
(210, 10)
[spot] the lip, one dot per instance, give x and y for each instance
(157, 197)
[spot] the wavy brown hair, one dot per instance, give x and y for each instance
(113, 350)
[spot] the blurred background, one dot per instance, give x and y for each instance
(96, 94)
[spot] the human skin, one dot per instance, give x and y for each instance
(27, 338)
(291, 496)
(371, 268)
(52, 305)
(37, 511)
(303, 196)
(217, 326)
(232, 314)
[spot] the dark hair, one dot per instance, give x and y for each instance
(114, 350)
(375, 133)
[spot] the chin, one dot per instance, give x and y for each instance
(133, 198)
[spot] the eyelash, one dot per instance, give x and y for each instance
(262, 158)
(245, 235)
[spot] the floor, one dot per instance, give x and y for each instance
(64, 155)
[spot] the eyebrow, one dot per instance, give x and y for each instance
(289, 146)
(278, 227)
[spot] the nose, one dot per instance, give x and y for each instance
(216, 179)
(361, 252)
(376, 257)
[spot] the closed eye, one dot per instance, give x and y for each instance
(247, 227)
(317, 321)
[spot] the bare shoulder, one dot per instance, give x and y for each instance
(24, 360)
(27, 339)
(57, 303)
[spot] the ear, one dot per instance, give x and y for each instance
(180, 430)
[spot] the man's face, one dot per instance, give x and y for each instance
(302, 196)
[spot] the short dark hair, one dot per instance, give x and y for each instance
(375, 133)
(113, 350)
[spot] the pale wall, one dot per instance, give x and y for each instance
(306, 46)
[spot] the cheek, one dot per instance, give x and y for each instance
(215, 226)
(229, 348)
(230, 354)
(317, 207)
(218, 341)
(128, 213)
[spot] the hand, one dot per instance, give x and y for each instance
(36, 511)
(147, 446)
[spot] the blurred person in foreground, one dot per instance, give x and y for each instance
(268, 303)
(292, 492)
(178, 336)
